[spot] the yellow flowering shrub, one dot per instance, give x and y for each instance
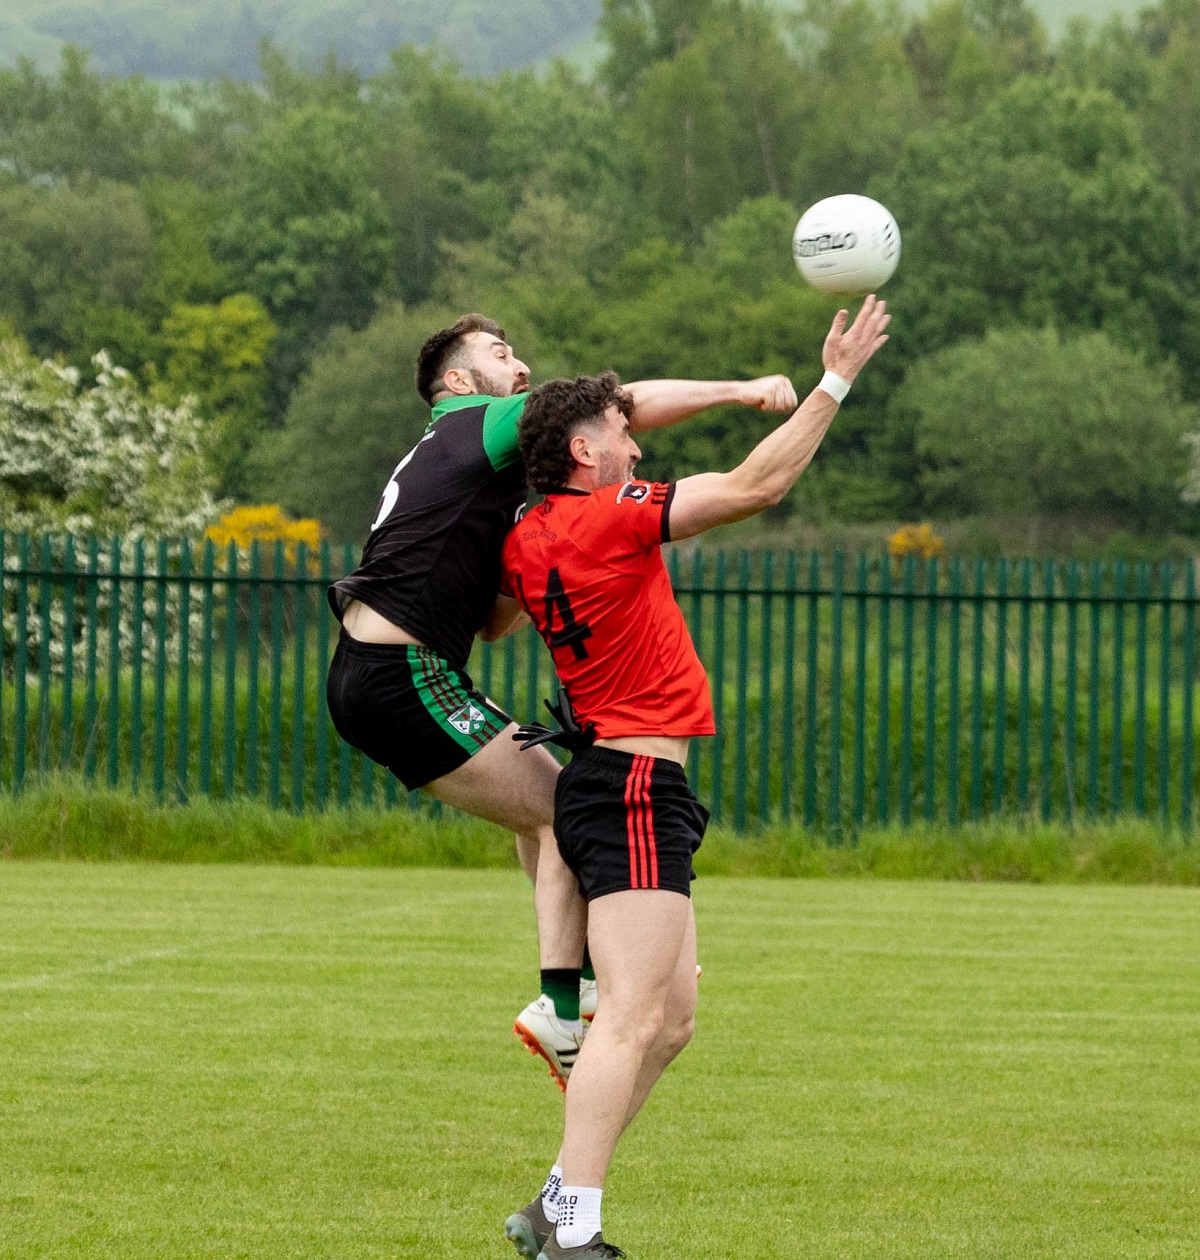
(266, 524)
(916, 540)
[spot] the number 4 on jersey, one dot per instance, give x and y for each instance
(573, 634)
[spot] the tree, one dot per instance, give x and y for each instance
(719, 121)
(1044, 208)
(103, 459)
(856, 97)
(963, 52)
(557, 133)
(640, 33)
(353, 417)
(305, 232)
(65, 253)
(1034, 422)
(181, 215)
(480, 153)
(1110, 57)
(1172, 113)
(83, 126)
(217, 352)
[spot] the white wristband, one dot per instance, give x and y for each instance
(835, 386)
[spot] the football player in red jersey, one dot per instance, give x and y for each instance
(426, 587)
(587, 567)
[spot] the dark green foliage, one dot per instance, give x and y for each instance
(71, 257)
(637, 219)
(998, 420)
(80, 124)
(306, 229)
(1047, 208)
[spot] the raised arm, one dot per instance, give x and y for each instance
(772, 467)
(657, 404)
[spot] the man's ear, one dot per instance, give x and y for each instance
(581, 449)
(458, 381)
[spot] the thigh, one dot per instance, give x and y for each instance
(681, 993)
(638, 940)
(503, 784)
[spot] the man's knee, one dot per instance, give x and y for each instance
(676, 1032)
(638, 1027)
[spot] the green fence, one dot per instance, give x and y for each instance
(849, 691)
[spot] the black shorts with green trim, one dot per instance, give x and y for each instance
(408, 709)
(625, 822)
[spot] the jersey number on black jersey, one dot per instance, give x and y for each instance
(391, 492)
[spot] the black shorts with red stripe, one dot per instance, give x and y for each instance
(625, 821)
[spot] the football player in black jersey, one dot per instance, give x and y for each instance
(428, 583)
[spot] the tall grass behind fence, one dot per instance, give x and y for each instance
(849, 690)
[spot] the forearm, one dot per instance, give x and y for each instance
(506, 617)
(657, 404)
(775, 464)
(760, 480)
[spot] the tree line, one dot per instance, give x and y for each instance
(277, 250)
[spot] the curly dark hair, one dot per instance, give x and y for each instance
(553, 415)
(437, 356)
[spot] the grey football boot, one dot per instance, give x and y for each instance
(528, 1229)
(596, 1249)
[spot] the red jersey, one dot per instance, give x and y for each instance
(588, 569)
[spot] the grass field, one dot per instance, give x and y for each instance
(241, 1061)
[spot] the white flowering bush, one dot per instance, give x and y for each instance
(103, 459)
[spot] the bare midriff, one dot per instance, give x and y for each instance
(366, 626)
(669, 747)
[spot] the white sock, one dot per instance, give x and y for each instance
(550, 1193)
(578, 1215)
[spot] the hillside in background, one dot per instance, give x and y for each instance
(190, 39)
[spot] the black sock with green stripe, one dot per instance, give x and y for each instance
(588, 972)
(561, 986)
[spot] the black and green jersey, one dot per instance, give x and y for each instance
(432, 563)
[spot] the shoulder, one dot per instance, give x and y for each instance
(639, 493)
(632, 510)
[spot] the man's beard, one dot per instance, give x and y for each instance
(494, 388)
(614, 471)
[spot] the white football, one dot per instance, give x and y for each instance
(846, 244)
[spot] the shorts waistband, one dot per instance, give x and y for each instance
(619, 759)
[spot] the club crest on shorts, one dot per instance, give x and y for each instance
(468, 720)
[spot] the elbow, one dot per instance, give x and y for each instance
(770, 494)
(748, 495)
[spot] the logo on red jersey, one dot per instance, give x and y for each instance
(637, 491)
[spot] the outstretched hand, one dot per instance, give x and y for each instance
(847, 350)
(769, 393)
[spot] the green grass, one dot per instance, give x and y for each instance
(61, 817)
(220, 1061)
